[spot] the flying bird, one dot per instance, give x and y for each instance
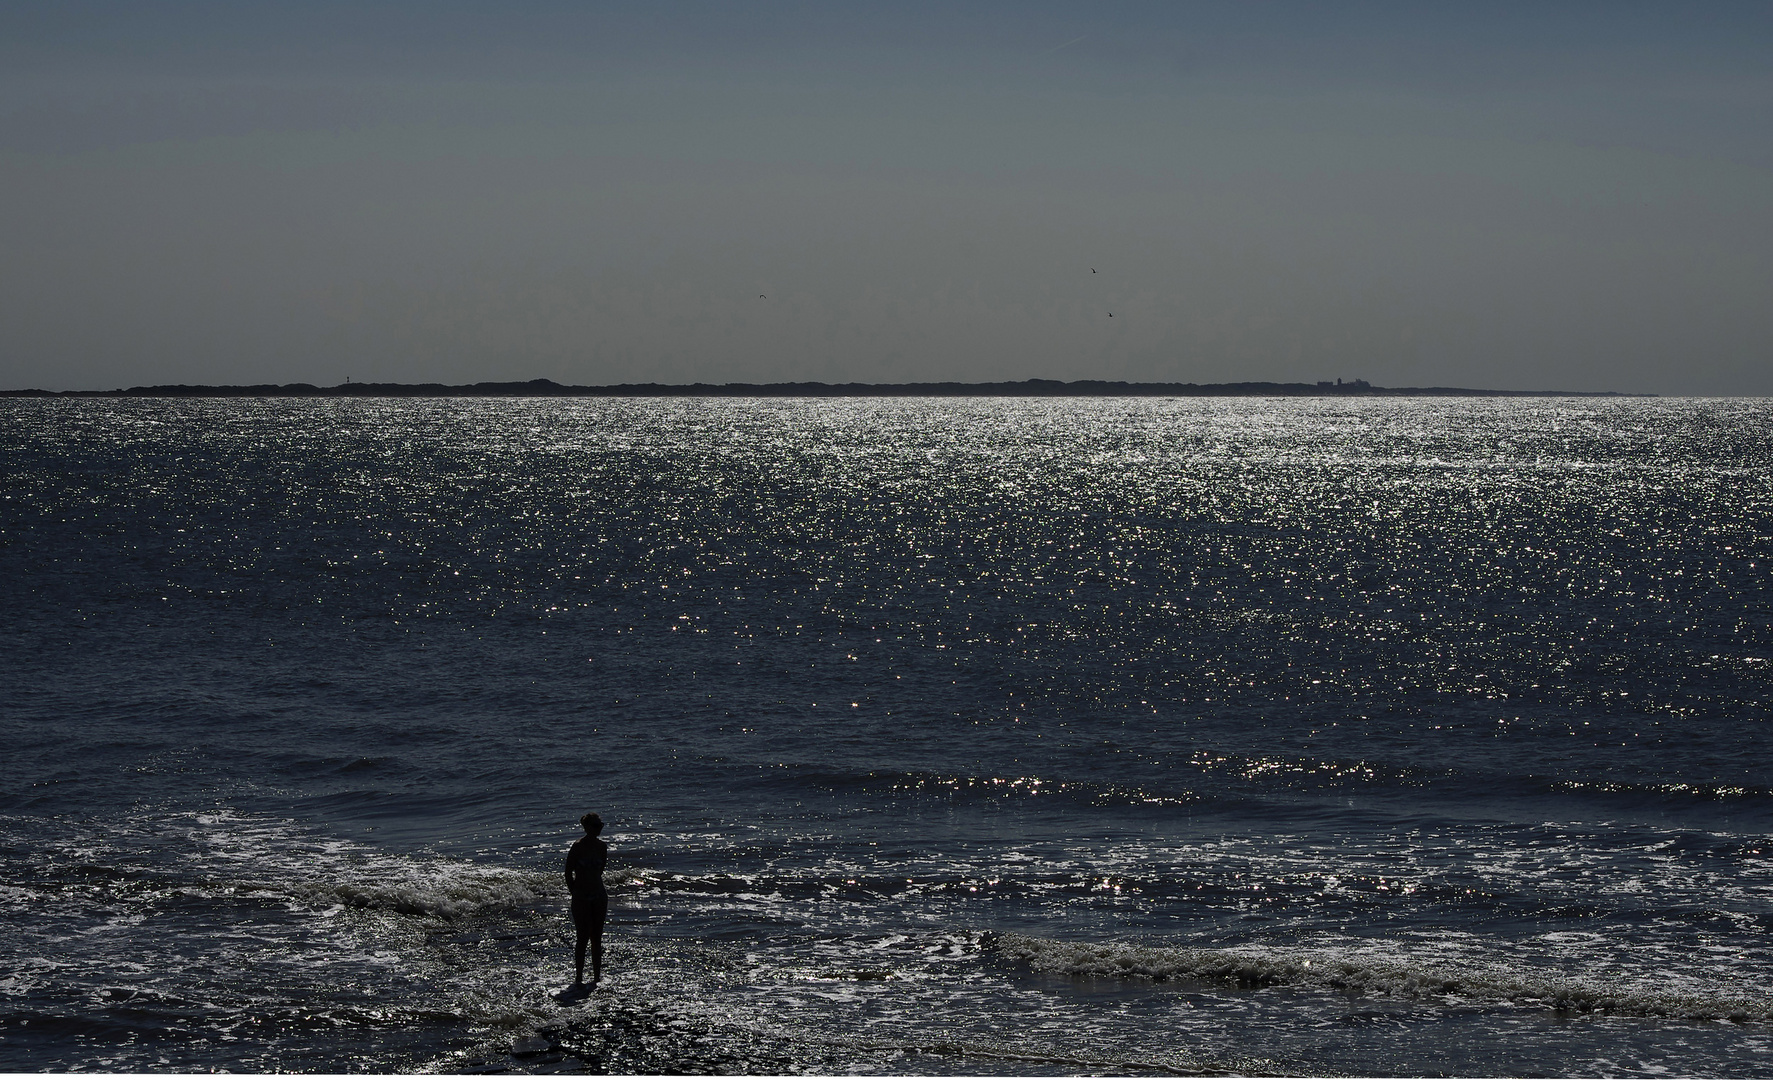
(1092, 269)
(760, 296)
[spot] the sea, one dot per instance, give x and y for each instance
(1334, 736)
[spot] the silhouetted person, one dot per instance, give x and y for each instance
(584, 879)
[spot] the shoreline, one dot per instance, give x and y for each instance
(1025, 388)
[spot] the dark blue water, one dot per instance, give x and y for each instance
(1370, 736)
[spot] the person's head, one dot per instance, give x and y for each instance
(593, 824)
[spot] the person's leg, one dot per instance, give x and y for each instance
(582, 922)
(596, 954)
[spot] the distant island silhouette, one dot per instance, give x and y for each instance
(1025, 388)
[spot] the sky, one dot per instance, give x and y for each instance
(1515, 196)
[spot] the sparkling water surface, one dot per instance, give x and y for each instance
(1366, 736)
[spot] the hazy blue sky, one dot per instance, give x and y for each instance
(1523, 196)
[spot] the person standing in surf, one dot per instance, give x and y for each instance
(584, 879)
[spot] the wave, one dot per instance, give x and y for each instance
(1202, 777)
(219, 853)
(918, 782)
(459, 890)
(1372, 976)
(447, 892)
(1216, 778)
(1671, 789)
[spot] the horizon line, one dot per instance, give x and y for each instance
(948, 388)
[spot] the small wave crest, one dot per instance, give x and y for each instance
(1368, 975)
(960, 786)
(282, 859)
(448, 892)
(1696, 791)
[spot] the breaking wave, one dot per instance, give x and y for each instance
(1371, 976)
(443, 892)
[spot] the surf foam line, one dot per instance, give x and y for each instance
(1184, 1065)
(1374, 977)
(442, 892)
(279, 858)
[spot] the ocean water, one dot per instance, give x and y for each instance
(960, 736)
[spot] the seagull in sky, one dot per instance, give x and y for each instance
(1056, 48)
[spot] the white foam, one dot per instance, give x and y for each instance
(319, 874)
(445, 892)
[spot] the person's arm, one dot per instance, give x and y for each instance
(571, 884)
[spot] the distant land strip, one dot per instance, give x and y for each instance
(1025, 388)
